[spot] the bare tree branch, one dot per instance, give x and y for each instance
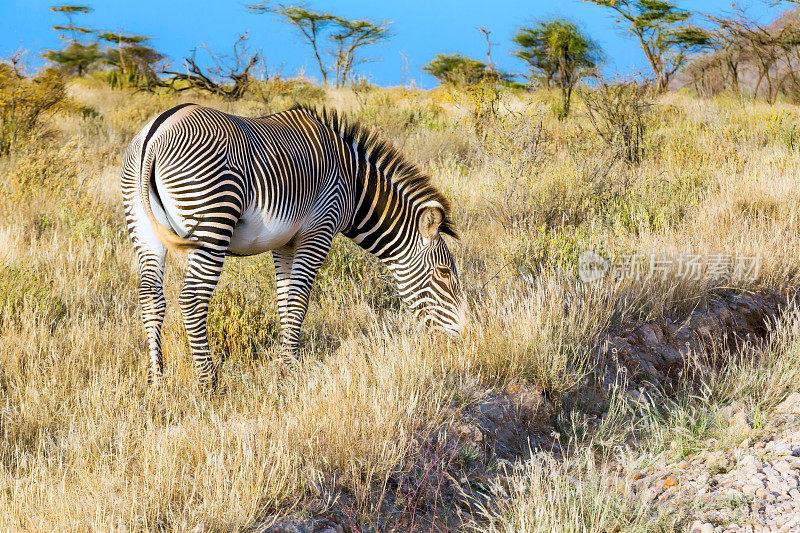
(227, 77)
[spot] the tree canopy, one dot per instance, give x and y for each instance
(344, 36)
(462, 71)
(664, 33)
(557, 52)
(131, 61)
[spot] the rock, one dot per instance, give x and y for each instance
(699, 527)
(739, 423)
(782, 449)
(789, 406)
(750, 490)
(781, 466)
(727, 412)
(650, 494)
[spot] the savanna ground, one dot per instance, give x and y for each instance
(354, 433)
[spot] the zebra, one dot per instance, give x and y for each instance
(198, 180)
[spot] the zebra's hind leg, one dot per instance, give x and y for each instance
(202, 274)
(152, 257)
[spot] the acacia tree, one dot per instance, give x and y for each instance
(350, 36)
(663, 31)
(532, 49)
(730, 52)
(707, 74)
(311, 24)
(556, 50)
(772, 50)
(75, 57)
(131, 60)
(70, 11)
(462, 71)
(345, 37)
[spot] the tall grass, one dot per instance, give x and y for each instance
(84, 444)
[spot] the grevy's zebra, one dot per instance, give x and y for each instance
(214, 184)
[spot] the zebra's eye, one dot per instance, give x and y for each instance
(443, 272)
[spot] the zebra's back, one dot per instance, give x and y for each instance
(253, 183)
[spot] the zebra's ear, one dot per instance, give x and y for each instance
(430, 218)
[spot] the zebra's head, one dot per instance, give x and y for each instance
(427, 277)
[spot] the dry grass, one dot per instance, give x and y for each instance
(85, 445)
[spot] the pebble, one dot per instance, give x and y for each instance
(781, 466)
(758, 492)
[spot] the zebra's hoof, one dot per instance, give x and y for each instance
(208, 385)
(154, 380)
(287, 360)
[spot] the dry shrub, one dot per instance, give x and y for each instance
(618, 112)
(25, 103)
(276, 92)
(512, 151)
(26, 292)
(243, 320)
(484, 98)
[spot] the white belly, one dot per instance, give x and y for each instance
(256, 233)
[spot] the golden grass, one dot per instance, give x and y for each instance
(85, 445)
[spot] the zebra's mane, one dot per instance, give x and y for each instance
(406, 176)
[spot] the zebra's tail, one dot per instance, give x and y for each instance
(167, 236)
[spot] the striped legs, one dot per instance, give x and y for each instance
(295, 270)
(152, 304)
(283, 257)
(202, 274)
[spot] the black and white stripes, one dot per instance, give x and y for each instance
(216, 185)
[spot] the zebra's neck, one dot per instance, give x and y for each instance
(387, 190)
(383, 220)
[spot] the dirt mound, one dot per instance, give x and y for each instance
(656, 353)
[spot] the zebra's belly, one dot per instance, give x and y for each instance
(256, 233)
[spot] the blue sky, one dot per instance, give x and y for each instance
(422, 28)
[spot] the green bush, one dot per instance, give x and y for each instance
(24, 101)
(347, 269)
(242, 317)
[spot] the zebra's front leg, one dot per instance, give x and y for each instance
(202, 274)
(283, 258)
(295, 271)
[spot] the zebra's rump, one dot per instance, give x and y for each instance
(251, 183)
